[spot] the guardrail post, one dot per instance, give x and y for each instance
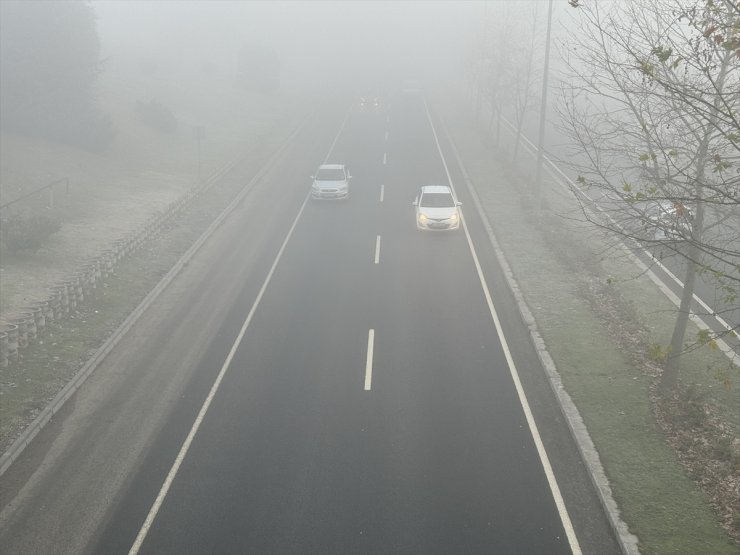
(55, 304)
(11, 331)
(71, 294)
(46, 310)
(31, 329)
(22, 326)
(3, 349)
(37, 316)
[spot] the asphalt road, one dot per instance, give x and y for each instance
(366, 407)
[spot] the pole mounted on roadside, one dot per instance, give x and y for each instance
(200, 132)
(543, 112)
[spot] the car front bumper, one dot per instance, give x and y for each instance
(438, 226)
(330, 195)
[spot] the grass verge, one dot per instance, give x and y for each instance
(597, 316)
(47, 365)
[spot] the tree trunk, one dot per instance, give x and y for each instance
(669, 379)
(490, 120)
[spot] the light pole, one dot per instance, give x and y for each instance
(543, 112)
(200, 132)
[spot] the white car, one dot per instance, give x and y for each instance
(437, 208)
(331, 182)
(370, 103)
(667, 221)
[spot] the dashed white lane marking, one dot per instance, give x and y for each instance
(382, 192)
(369, 361)
(387, 119)
(544, 459)
(377, 249)
(385, 158)
(386, 136)
(144, 530)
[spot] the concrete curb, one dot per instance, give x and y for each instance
(628, 542)
(32, 430)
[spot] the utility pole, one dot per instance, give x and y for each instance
(543, 112)
(200, 132)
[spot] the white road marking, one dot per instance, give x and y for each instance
(550, 475)
(385, 158)
(369, 361)
(382, 192)
(586, 446)
(387, 119)
(386, 136)
(144, 530)
(698, 320)
(377, 249)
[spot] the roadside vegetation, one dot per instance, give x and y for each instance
(673, 468)
(647, 97)
(647, 102)
(66, 199)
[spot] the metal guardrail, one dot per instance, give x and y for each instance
(50, 187)
(66, 295)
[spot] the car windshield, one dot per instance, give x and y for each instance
(437, 200)
(330, 174)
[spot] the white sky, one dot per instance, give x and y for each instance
(351, 36)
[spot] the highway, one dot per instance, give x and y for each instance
(337, 385)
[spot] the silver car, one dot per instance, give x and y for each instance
(331, 182)
(437, 208)
(667, 221)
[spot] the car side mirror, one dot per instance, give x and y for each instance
(458, 203)
(415, 203)
(349, 176)
(312, 177)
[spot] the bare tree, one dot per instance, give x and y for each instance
(504, 72)
(652, 106)
(497, 71)
(50, 60)
(525, 78)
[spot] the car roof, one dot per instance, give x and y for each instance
(436, 189)
(331, 166)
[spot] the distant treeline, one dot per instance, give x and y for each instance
(49, 64)
(258, 69)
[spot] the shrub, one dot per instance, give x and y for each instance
(21, 232)
(156, 115)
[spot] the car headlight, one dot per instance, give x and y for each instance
(454, 217)
(422, 218)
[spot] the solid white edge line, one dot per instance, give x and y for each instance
(382, 192)
(697, 319)
(377, 249)
(141, 536)
(369, 360)
(628, 542)
(43, 418)
(552, 168)
(544, 459)
(154, 510)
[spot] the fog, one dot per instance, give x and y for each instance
(354, 43)
(365, 277)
